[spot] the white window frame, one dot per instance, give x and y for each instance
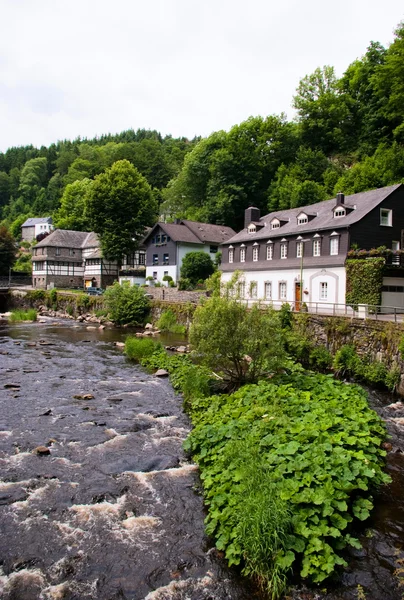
(284, 250)
(317, 247)
(323, 290)
(275, 224)
(302, 219)
(270, 251)
(253, 289)
(231, 255)
(252, 228)
(299, 249)
(334, 246)
(386, 217)
(242, 254)
(283, 295)
(268, 290)
(339, 212)
(241, 289)
(255, 253)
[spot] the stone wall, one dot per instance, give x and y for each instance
(174, 295)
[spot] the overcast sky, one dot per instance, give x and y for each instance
(73, 68)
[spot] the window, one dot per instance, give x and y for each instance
(299, 249)
(39, 266)
(270, 251)
(386, 217)
(323, 290)
(71, 252)
(316, 248)
(163, 239)
(157, 239)
(166, 259)
(302, 219)
(241, 289)
(155, 275)
(242, 254)
(255, 253)
(165, 273)
(339, 212)
(275, 224)
(231, 255)
(284, 250)
(268, 290)
(155, 259)
(282, 290)
(141, 258)
(253, 289)
(252, 228)
(213, 249)
(57, 251)
(334, 246)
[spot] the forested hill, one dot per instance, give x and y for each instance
(348, 136)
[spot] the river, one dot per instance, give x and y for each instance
(110, 508)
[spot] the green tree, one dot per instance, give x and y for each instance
(7, 250)
(239, 344)
(126, 304)
(72, 213)
(120, 205)
(33, 179)
(196, 266)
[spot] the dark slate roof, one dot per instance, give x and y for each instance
(324, 219)
(65, 238)
(282, 264)
(36, 221)
(193, 232)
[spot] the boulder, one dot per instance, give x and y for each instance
(119, 344)
(182, 349)
(161, 373)
(148, 326)
(41, 451)
(101, 327)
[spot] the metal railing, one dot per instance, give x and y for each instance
(15, 281)
(358, 311)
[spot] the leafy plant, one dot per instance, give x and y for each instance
(126, 304)
(138, 348)
(23, 315)
(168, 322)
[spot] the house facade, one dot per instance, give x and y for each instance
(35, 226)
(70, 259)
(166, 245)
(298, 255)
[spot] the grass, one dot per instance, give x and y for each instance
(168, 322)
(138, 348)
(23, 315)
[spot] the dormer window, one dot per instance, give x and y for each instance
(339, 212)
(302, 219)
(275, 224)
(252, 228)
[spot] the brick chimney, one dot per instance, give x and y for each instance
(251, 214)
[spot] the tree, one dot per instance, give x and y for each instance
(72, 213)
(196, 266)
(126, 304)
(120, 205)
(238, 343)
(7, 250)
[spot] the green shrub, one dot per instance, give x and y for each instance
(23, 315)
(83, 301)
(126, 304)
(320, 358)
(70, 310)
(286, 316)
(185, 285)
(36, 296)
(138, 348)
(168, 322)
(197, 266)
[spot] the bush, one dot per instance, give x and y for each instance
(240, 344)
(23, 315)
(126, 304)
(168, 322)
(196, 266)
(138, 348)
(184, 285)
(320, 358)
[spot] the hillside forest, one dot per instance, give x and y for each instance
(348, 135)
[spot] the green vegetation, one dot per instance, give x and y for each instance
(348, 363)
(126, 304)
(168, 322)
(23, 315)
(364, 281)
(196, 266)
(139, 348)
(238, 343)
(7, 250)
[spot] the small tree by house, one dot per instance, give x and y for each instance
(196, 266)
(126, 304)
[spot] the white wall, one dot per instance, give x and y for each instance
(160, 270)
(334, 277)
(132, 280)
(393, 299)
(43, 228)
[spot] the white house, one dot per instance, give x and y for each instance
(35, 226)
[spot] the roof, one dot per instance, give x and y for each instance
(36, 221)
(194, 232)
(66, 238)
(362, 204)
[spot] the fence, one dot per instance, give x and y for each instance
(15, 281)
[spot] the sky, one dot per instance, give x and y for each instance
(183, 67)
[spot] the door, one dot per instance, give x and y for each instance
(297, 296)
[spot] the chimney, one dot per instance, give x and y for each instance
(251, 214)
(340, 198)
(177, 221)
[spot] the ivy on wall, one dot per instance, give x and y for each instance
(364, 280)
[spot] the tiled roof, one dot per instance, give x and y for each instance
(193, 232)
(65, 238)
(36, 221)
(363, 202)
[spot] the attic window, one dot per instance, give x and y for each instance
(302, 219)
(275, 224)
(339, 212)
(252, 228)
